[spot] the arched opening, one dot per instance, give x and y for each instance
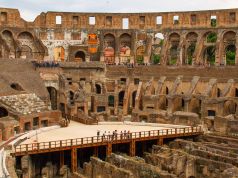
(174, 40)
(71, 97)
(121, 98)
(16, 86)
(236, 92)
(8, 37)
(25, 36)
(230, 54)
(195, 105)
(140, 55)
(229, 108)
(190, 52)
(218, 92)
(98, 89)
(166, 90)
(125, 48)
(179, 104)
(26, 52)
(3, 112)
(157, 47)
(111, 101)
(134, 98)
(79, 56)
(53, 97)
(211, 37)
(109, 49)
(191, 40)
(59, 53)
(209, 55)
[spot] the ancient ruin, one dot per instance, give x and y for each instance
(172, 76)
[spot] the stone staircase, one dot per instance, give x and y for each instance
(24, 103)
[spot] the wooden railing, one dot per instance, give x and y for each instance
(105, 139)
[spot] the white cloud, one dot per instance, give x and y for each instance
(29, 9)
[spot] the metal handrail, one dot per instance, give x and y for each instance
(106, 138)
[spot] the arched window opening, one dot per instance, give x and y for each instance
(230, 54)
(3, 112)
(98, 89)
(111, 101)
(79, 56)
(16, 86)
(53, 97)
(71, 97)
(218, 92)
(121, 98)
(134, 98)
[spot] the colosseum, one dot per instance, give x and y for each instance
(134, 95)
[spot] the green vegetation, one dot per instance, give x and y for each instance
(213, 22)
(211, 37)
(230, 57)
(172, 61)
(190, 51)
(156, 58)
(140, 59)
(211, 54)
(161, 42)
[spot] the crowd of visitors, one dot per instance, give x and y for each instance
(115, 135)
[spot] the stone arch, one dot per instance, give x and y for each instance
(3, 112)
(134, 98)
(178, 104)
(16, 86)
(109, 48)
(140, 54)
(163, 103)
(230, 54)
(229, 41)
(174, 40)
(125, 48)
(59, 53)
(229, 107)
(111, 100)
(209, 55)
(195, 105)
(121, 98)
(25, 36)
(26, 52)
(98, 89)
(53, 97)
(80, 56)
(157, 47)
(191, 42)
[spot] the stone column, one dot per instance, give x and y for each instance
(236, 59)
(74, 160)
(132, 148)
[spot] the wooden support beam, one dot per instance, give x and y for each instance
(132, 148)
(160, 141)
(95, 151)
(61, 158)
(74, 160)
(109, 149)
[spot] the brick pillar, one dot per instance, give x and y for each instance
(109, 149)
(132, 148)
(61, 158)
(74, 160)
(160, 141)
(95, 151)
(236, 59)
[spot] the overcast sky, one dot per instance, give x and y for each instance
(29, 9)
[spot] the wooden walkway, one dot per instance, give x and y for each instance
(108, 141)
